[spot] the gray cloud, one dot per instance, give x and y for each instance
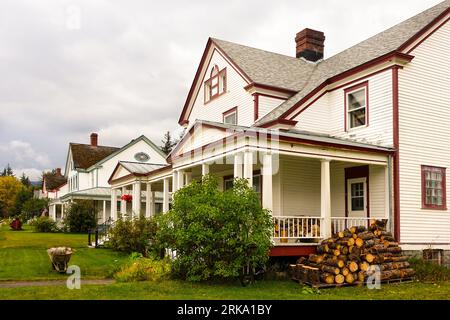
(128, 67)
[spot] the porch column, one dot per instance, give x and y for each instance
(136, 207)
(114, 204)
(123, 203)
(325, 198)
(174, 181)
(267, 173)
(180, 179)
(104, 211)
(188, 177)
(152, 204)
(148, 200)
(248, 167)
(62, 211)
(238, 165)
(166, 195)
(205, 169)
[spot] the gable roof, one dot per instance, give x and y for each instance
(86, 155)
(388, 41)
(138, 169)
(131, 143)
(301, 77)
(53, 180)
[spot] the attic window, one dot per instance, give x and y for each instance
(216, 85)
(230, 116)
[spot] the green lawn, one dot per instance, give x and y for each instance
(23, 255)
(282, 290)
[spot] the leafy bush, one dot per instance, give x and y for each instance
(427, 271)
(215, 234)
(43, 224)
(32, 208)
(80, 216)
(143, 269)
(134, 235)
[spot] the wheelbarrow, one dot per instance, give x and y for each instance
(60, 258)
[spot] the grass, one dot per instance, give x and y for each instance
(23, 255)
(178, 290)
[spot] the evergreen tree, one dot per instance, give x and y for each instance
(7, 172)
(25, 180)
(168, 143)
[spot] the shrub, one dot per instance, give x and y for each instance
(80, 216)
(143, 269)
(215, 234)
(427, 271)
(134, 235)
(43, 224)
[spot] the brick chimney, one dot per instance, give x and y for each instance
(94, 139)
(58, 172)
(310, 44)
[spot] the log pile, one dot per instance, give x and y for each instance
(348, 257)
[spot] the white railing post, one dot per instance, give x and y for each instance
(325, 198)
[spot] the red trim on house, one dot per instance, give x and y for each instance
(395, 120)
(365, 85)
(255, 106)
(209, 43)
(271, 96)
(292, 251)
(443, 172)
(279, 121)
(228, 112)
(269, 87)
(355, 173)
(423, 31)
(221, 73)
(385, 58)
(339, 87)
(425, 38)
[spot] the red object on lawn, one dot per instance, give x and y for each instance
(16, 224)
(127, 197)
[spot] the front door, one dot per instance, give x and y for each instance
(357, 198)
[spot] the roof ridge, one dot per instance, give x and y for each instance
(89, 145)
(263, 50)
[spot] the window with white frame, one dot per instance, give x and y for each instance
(356, 102)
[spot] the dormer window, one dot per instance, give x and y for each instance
(216, 85)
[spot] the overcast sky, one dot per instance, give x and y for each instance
(123, 68)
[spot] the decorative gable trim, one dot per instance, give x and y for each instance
(210, 48)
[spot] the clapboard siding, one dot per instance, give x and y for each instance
(300, 188)
(267, 104)
(326, 115)
(236, 96)
(424, 119)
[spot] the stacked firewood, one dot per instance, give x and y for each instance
(349, 257)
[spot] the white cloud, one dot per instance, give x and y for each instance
(21, 154)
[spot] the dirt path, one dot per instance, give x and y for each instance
(18, 284)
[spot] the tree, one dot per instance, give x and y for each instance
(7, 172)
(215, 234)
(9, 189)
(22, 196)
(25, 180)
(168, 143)
(80, 216)
(33, 207)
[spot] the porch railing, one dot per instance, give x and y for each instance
(339, 224)
(294, 228)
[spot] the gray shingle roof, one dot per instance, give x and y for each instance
(269, 68)
(140, 167)
(298, 75)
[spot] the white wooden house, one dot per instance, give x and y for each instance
(327, 143)
(88, 167)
